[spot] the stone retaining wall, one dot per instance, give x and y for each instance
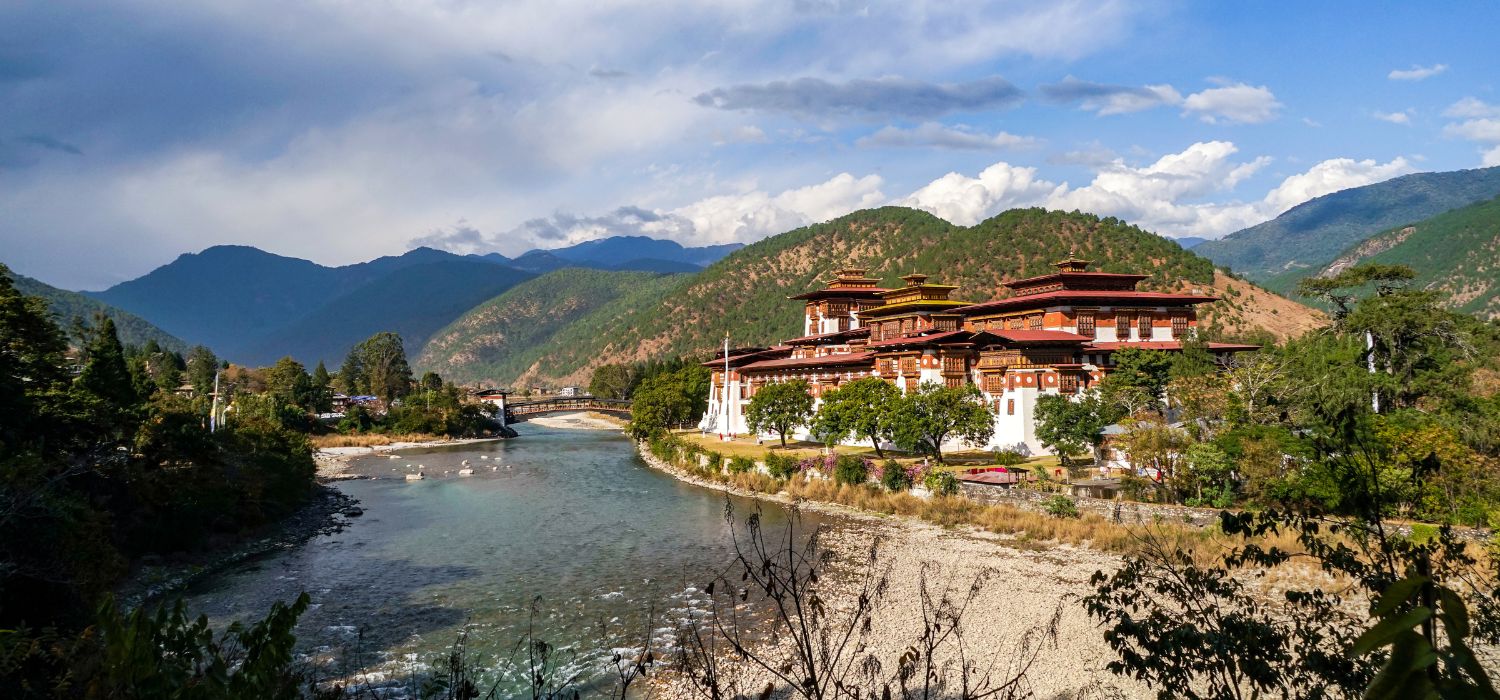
(1123, 512)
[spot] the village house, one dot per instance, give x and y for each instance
(1052, 334)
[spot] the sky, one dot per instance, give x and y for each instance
(132, 131)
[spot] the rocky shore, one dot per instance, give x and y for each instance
(326, 511)
(1027, 604)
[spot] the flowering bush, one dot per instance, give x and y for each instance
(852, 470)
(893, 477)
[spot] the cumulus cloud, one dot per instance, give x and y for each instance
(903, 97)
(967, 200)
(1110, 99)
(1403, 118)
(1485, 130)
(1417, 72)
(1471, 107)
(1491, 157)
(935, 135)
(1236, 103)
(1168, 196)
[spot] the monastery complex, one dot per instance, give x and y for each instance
(1054, 334)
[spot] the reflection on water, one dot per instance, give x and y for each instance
(572, 516)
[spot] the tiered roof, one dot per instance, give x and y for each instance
(848, 283)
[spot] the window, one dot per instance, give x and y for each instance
(994, 383)
(1179, 325)
(953, 382)
(908, 365)
(1143, 324)
(1013, 323)
(1068, 383)
(1086, 324)
(1010, 407)
(1034, 322)
(1122, 326)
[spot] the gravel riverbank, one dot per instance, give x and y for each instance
(1026, 590)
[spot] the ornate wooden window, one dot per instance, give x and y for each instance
(1086, 324)
(1010, 407)
(953, 382)
(1068, 383)
(1122, 326)
(1034, 322)
(953, 365)
(909, 365)
(1014, 323)
(994, 383)
(1179, 325)
(1143, 325)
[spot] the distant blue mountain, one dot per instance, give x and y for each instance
(1189, 242)
(609, 252)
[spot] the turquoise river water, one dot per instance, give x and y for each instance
(571, 516)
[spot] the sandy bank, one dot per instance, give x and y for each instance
(1025, 589)
(333, 462)
(579, 420)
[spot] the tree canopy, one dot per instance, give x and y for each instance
(780, 407)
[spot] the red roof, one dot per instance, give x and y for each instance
(1079, 295)
(815, 339)
(1101, 276)
(835, 360)
(1166, 345)
(1037, 336)
(719, 362)
(918, 339)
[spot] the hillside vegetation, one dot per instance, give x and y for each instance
(745, 293)
(1456, 253)
(509, 335)
(1310, 235)
(67, 306)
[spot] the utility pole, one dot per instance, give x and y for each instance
(213, 413)
(1375, 392)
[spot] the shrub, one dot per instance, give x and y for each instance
(781, 466)
(1060, 507)
(941, 483)
(1009, 458)
(740, 465)
(893, 477)
(851, 470)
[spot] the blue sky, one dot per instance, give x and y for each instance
(134, 130)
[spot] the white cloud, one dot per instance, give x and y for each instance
(1403, 118)
(1169, 196)
(750, 216)
(1237, 103)
(935, 135)
(968, 200)
(1327, 177)
(1471, 107)
(1417, 72)
(1491, 157)
(1483, 130)
(1110, 99)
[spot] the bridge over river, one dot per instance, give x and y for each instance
(518, 411)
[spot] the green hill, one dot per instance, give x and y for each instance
(503, 341)
(745, 293)
(67, 306)
(1456, 253)
(1310, 235)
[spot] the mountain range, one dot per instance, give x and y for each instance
(601, 317)
(1309, 236)
(69, 306)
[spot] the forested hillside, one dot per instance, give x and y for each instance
(66, 306)
(509, 335)
(1310, 235)
(1456, 253)
(745, 293)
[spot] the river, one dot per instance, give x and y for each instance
(571, 516)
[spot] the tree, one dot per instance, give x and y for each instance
(933, 414)
(382, 363)
(322, 389)
(202, 365)
(664, 400)
(31, 364)
(353, 379)
(1148, 370)
(863, 408)
(287, 380)
(1068, 426)
(105, 385)
(431, 381)
(779, 407)
(612, 381)
(1342, 289)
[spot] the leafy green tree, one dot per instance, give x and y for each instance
(431, 381)
(202, 365)
(322, 389)
(287, 380)
(1068, 426)
(668, 399)
(1147, 370)
(105, 384)
(1343, 289)
(934, 414)
(780, 407)
(1194, 360)
(612, 381)
(1208, 467)
(352, 378)
(379, 365)
(863, 408)
(32, 365)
